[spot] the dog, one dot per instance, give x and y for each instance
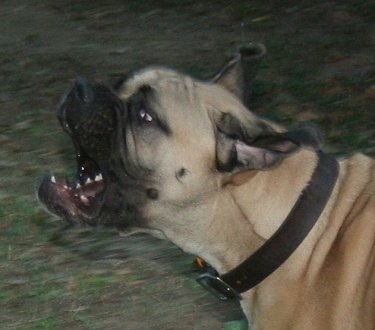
(289, 229)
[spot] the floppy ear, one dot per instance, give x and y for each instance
(238, 151)
(238, 74)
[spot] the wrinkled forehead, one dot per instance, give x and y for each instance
(170, 84)
(173, 96)
(180, 99)
(153, 77)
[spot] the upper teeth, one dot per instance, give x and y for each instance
(98, 177)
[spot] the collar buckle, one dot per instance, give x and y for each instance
(217, 287)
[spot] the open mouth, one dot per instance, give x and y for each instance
(78, 200)
(87, 115)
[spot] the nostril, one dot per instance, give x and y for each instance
(83, 90)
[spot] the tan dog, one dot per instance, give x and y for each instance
(290, 230)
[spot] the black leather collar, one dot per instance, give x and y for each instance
(274, 252)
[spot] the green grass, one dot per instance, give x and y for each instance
(85, 320)
(49, 322)
(95, 284)
(15, 216)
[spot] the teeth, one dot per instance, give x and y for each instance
(53, 179)
(88, 181)
(99, 177)
(78, 186)
(84, 199)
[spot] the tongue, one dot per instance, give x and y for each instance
(90, 189)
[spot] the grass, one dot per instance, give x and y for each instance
(95, 284)
(47, 323)
(85, 320)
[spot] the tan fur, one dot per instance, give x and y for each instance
(329, 281)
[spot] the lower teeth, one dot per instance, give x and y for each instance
(84, 199)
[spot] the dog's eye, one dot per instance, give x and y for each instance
(145, 115)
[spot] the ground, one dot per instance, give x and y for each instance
(319, 67)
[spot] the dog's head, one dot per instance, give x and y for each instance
(155, 150)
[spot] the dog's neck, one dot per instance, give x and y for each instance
(270, 195)
(257, 208)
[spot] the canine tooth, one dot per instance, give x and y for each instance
(78, 186)
(88, 181)
(99, 177)
(53, 179)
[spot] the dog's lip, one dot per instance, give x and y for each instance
(65, 103)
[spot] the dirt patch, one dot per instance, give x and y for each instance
(320, 66)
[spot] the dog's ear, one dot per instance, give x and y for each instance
(260, 147)
(238, 74)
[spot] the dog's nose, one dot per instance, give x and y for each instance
(87, 113)
(83, 90)
(75, 104)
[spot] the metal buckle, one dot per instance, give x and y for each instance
(218, 287)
